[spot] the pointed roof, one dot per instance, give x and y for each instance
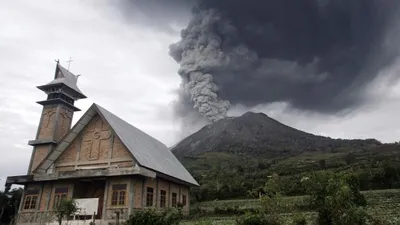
(64, 76)
(146, 150)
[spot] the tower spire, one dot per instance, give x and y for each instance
(57, 114)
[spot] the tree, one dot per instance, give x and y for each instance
(337, 199)
(9, 202)
(65, 208)
(271, 206)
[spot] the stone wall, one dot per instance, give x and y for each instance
(137, 191)
(39, 153)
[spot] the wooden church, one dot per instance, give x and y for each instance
(102, 158)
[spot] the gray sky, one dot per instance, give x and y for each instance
(126, 68)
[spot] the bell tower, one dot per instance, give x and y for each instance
(57, 113)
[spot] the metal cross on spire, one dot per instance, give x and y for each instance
(69, 62)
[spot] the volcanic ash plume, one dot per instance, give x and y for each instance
(313, 55)
(199, 53)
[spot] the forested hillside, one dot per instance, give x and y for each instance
(234, 157)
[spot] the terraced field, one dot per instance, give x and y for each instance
(382, 203)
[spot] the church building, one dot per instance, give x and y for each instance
(102, 160)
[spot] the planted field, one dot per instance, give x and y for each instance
(382, 203)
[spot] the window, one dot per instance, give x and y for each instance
(174, 196)
(163, 198)
(149, 197)
(118, 194)
(184, 200)
(31, 198)
(59, 194)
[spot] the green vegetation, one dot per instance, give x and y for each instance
(64, 209)
(333, 199)
(224, 175)
(152, 217)
(383, 202)
(336, 198)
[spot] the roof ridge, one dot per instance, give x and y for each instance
(147, 150)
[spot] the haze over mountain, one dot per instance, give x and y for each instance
(256, 134)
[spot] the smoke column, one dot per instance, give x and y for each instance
(314, 54)
(199, 50)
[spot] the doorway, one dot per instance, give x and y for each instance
(91, 188)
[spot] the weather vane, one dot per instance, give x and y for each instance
(69, 62)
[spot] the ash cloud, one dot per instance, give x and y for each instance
(314, 54)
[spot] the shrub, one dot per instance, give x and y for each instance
(151, 217)
(65, 208)
(256, 219)
(299, 220)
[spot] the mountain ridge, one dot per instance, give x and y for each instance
(257, 134)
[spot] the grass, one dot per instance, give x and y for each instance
(381, 203)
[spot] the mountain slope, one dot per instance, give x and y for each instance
(233, 157)
(256, 134)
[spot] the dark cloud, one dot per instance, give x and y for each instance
(315, 54)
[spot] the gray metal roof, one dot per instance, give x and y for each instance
(66, 77)
(148, 151)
